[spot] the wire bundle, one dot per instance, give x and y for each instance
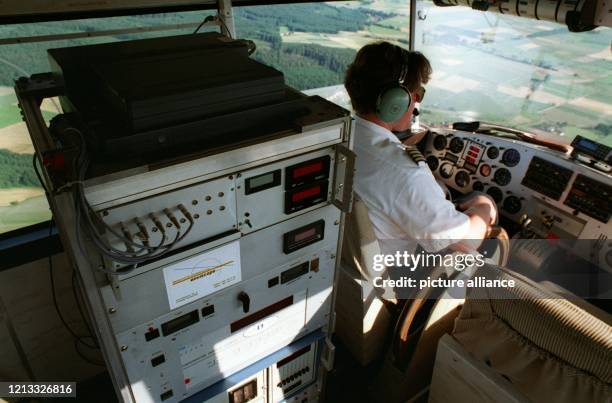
(88, 221)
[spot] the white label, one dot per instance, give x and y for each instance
(202, 275)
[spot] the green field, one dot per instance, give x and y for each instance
(28, 212)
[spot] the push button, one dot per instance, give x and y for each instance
(152, 334)
(208, 310)
(160, 359)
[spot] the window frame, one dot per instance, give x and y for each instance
(28, 244)
(65, 16)
(36, 241)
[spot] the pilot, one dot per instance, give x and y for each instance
(403, 199)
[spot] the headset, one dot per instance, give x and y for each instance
(394, 100)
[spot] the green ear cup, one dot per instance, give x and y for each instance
(392, 104)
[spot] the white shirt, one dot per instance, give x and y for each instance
(404, 200)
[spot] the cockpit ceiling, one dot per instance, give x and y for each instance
(578, 15)
(12, 12)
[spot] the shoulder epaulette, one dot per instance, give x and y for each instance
(416, 155)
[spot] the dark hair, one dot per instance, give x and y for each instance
(378, 66)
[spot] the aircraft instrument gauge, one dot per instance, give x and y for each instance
(511, 157)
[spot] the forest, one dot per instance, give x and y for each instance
(305, 66)
(16, 170)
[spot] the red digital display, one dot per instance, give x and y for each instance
(307, 173)
(309, 233)
(307, 169)
(306, 193)
(300, 238)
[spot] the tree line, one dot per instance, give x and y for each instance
(16, 170)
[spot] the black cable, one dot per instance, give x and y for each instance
(76, 338)
(54, 295)
(252, 47)
(229, 33)
(84, 357)
(204, 21)
(38, 175)
(212, 18)
(81, 312)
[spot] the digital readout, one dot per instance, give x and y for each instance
(589, 145)
(261, 180)
(307, 169)
(304, 194)
(304, 235)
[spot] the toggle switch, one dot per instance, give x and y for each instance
(246, 301)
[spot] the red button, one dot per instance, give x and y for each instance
(187, 381)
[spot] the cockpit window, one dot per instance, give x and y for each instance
(518, 72)
(311, 43)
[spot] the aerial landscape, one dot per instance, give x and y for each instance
(516, 72)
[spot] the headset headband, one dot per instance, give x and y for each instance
(404, 71)
(394, 100)
(403, 75)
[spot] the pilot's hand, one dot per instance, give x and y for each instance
(480, 200)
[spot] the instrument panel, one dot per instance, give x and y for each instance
(562, 197)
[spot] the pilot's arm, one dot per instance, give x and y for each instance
(422, 207)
